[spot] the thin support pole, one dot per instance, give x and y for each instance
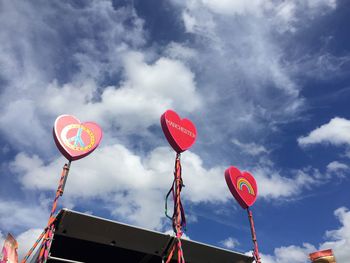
(47, 234)
(255, 242)
(34, 246)
(64, 260)
(178, 216)
(66, 167)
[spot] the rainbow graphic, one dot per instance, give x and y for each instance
(242, 182)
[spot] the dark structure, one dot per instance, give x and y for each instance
(85, 238)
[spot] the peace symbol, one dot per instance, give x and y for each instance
(76, 142)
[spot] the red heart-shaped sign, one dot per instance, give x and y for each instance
(242, 186)
(180, 133)
(74, 139)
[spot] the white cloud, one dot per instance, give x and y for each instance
(290, 254)
(336, 166)
(250, 148)
(147, 83)
(322, 3)
(147, 91)
(26, 241)
(229, 243)
(242, 67)
(338, 240)
(19, 121)
(28, 64)
(189, 21)
(133, 187)
(236, 39)
(258, 7)
(121, 170)
(21, 215)
(41, 85)
(179, 51)
(284, 15)
(272, 185)
(336, 132)
(322, 65)
(234, 7)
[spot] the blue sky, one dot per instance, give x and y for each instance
(265, 82)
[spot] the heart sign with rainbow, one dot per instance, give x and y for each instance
(74, 139)
(180, 133)
(242, 186)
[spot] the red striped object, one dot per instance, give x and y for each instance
(322, 254)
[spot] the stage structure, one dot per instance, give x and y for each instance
(81, 238)
(244, 189)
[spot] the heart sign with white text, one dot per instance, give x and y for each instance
(74, 139)
(180, 133)
(242, 186)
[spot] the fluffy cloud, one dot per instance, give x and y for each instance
(25, 216)
(338, 240)
(258, 7)
(290, 254)
(337, 167)
(229, 243)
(95, 75)
(239, 39)
(148, 90)
(284, 15)
(55, 45)
(273, 185)
(250, 148)
(233, 7)
(21, 215)
(133, 187)
(247, 81)
(72, 46)
(336, 132)
(26, 241)
(321, 65)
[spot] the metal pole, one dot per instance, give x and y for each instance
(52, 218)
(64, 260)
(46, 244)
(66, 168)
(255, 242)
